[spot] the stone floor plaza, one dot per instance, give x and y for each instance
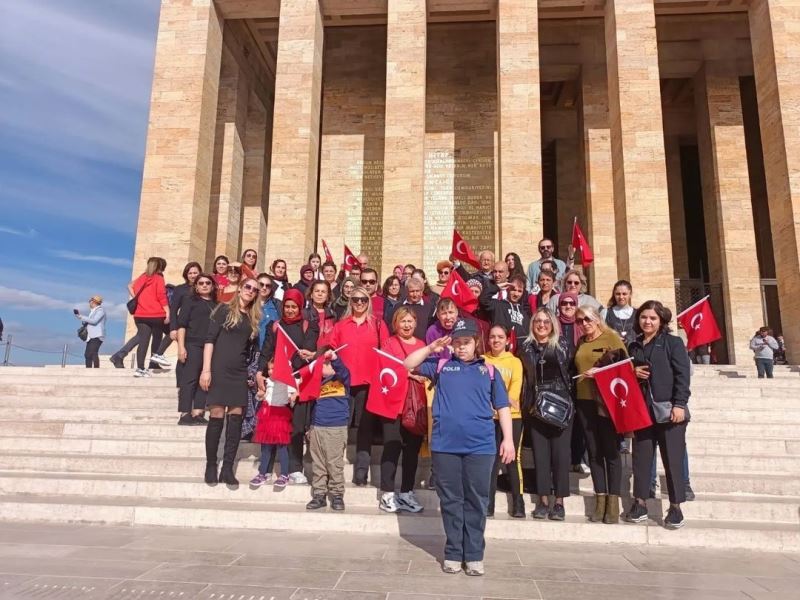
(667, 127)
(84, 562)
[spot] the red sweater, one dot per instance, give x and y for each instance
(153, 296)
(359, 356)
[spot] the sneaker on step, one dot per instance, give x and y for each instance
(451, 566)
(116, 360)
(557, 512)
(541, 511)
(260, 479)
(474, 568)
(408, 501)
(186, 419)
(282, 481)
(160, 360)
(674, 518)
(142, 373)
(297, 477)
(337, 502)
(200, 420)
(637, 513)
(581, 468)
(389, 503)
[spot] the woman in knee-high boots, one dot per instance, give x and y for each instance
(231, 330)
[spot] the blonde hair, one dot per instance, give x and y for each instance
(593, 314)
(402, 311)
(234, 317)
(358, 289)
(555, 333)
(577, 274)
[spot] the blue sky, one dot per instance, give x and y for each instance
(75, 79)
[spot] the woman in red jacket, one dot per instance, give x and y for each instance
(362, 332)
(151, 315)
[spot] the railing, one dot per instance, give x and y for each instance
(9, 344)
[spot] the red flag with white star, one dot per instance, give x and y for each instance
(619, 387)
(456, 289)
(462, 251)
(282, 360)
(350, 259)
(699, 324)
(309, 380)
(388, 388)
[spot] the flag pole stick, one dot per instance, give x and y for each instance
(683, 312)
(606, 368)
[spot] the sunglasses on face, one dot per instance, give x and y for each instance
(444, 272)
(369, 281)
(359, 300)
(568, 303)
(249, 288)
(583, 320)
(249, 255)
(265, 286)
(575, 283)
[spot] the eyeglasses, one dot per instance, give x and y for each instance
(249, 255)
(265, 286)
(359, 300)
(203, 283)
(249, 288)
(583, 320)
(369, 281)
(575, 283)
(567, 303)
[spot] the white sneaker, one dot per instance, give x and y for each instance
(160, 360)
(389, 503)
(408, 501)
(474, 568)
(581, 468)
(298, 477)
(142, 373)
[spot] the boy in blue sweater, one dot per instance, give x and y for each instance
(328, 435)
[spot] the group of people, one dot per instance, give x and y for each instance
(481, 372)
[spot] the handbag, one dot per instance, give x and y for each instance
(83, 332)
(414, 416)
(551, 405)
(133, 303)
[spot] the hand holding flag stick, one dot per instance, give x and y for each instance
(622, 396)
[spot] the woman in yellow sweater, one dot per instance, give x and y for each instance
(598, 342)
(509, 367)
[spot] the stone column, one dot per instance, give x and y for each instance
(519, 128)
(727, 204)
(173, 212)
(254, 218)
(291, 219)
(677, 219)
(568, 193)
(404, 142)
(644, 248)
(226, 187)
(599, 178)
(775, 37)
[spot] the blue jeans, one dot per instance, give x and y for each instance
(462, 483)
(764, 367)
(266, 457)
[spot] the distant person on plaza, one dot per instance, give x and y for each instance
(764, 346)
(233, 327)
(179, 292)
(369, 279)
(392, 291)
(467, 393)
(620, 314)
(192, 321)
(226, 293)
(363, 260)
(95, 323)
(221, 271)
(306, 279)
(279, 277)
(151, 315)
(328, 271)
(575, 281)
(315, 262)
(408, 271)
(780, 353)
(546, 251)
(342, 301)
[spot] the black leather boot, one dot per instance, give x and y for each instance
(233, 434)
(213, 434)
(518, 507)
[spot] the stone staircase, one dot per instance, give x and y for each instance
(99, 446)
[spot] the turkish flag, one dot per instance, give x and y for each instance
(282, 360)
(619, 387)
(350, 259)
(463, 252)
(512, 341)
(699, 324)
(388, 388)
(456, 288)
(327, 251)
(581, 245)
(310, 376)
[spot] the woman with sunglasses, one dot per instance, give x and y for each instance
(304, 335)
(248, 264)
(229, 291)
(571, 335)
(232, 328)
(343, 300)
(362, 332)
(443, 270)
(599, 345)
(192, 322)
(546, 358)
(574, 281)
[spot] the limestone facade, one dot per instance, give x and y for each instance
(666, 128)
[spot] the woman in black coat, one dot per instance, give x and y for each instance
(663, 368)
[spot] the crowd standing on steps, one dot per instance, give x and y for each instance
(475, 370)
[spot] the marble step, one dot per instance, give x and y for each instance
(706, 506)
(116, 511)
(703, 481)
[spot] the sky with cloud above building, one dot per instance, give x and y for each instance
(75, 78)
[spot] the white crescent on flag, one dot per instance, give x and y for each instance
(454, 287)
(694, 323)
(460, 247)
(392, 374)
(619, 382)
(350, 260)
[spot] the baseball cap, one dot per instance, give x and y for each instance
(464, 328)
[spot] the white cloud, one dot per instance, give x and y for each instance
(31, 232)
(27, 300)
(105, 260)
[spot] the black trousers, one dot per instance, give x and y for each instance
(513, 469)
(92, 353)
(190, 394)
(671, 439)
(577, 445)
(605, 462)
(301, 414)
(365, 425)
(147, 330)
(398, 440)
(551, 457)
